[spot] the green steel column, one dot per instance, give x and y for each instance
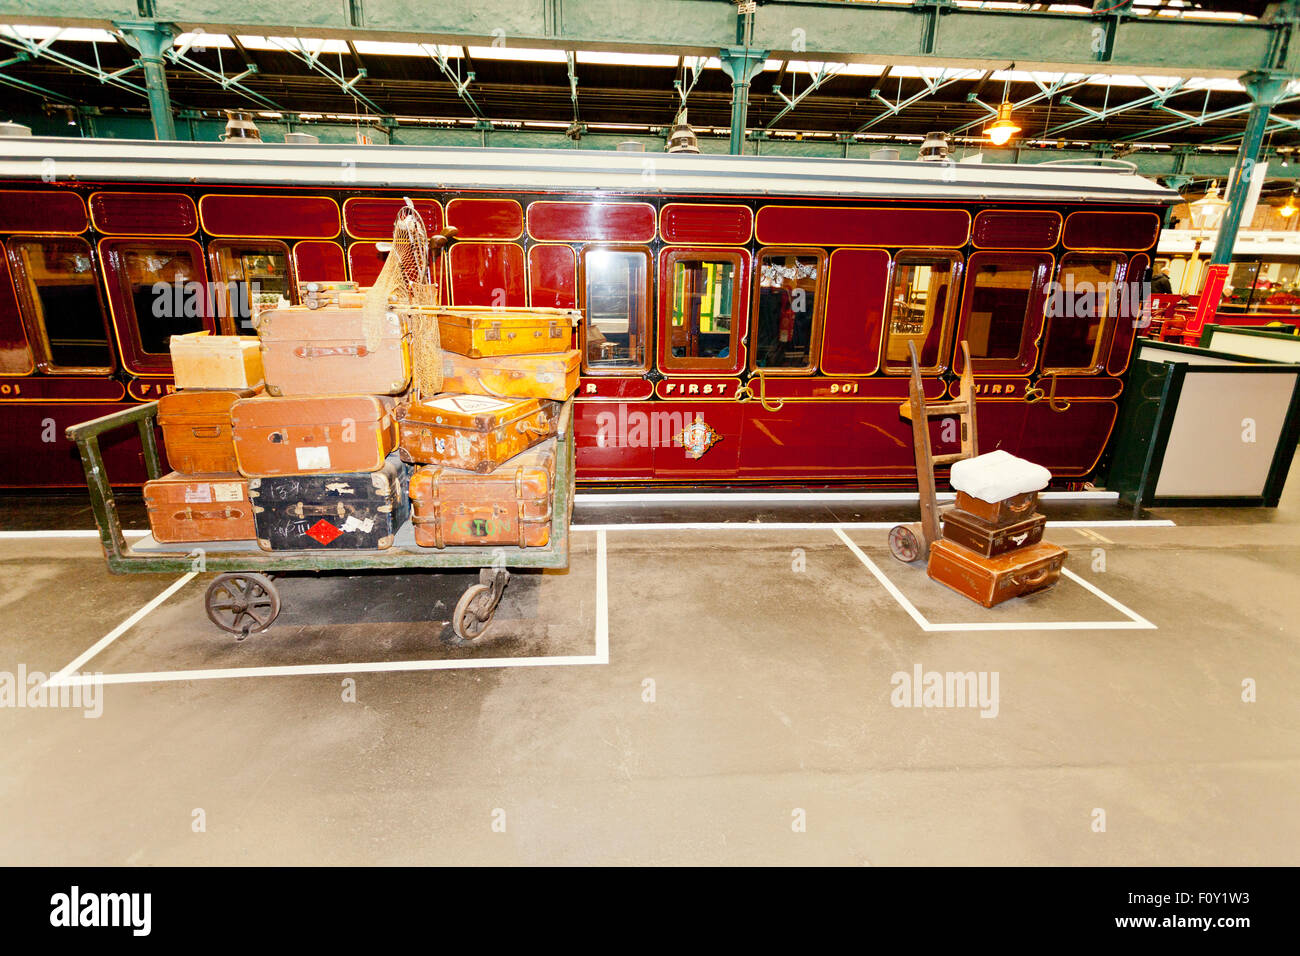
(742, 65)
(1265, 89)
(152, 38)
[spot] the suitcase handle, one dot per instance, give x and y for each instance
(1032, 580)
(323, 351)
(539, 429)
(206, 431)
(189, 514)
(478, 376)
(301, 511)
(1026, 506)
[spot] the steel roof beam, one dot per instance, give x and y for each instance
(462, 86)
(313, 60)
(934, 32)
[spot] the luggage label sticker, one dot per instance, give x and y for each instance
(468, 404)
(697, 438)
(340, 488)
(324, 532)
(313, 458)
(198, 494)
(227, 491)
(354, 523)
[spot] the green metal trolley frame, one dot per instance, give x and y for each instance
(243, 598)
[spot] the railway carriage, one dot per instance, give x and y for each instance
(746, 320)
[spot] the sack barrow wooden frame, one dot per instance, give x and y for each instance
(911, 542)
(244, 599)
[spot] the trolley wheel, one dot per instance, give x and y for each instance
(242, 603)
(476, 606)
(905, 542)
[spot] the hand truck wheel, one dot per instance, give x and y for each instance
(905, 542)
(478, 604)
(242, 603)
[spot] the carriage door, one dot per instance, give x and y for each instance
(703, 318)
(1090, 318)
(1001, 318)
(614, 285)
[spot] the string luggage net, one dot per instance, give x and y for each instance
(407, 280)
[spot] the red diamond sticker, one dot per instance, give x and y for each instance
(324, 532)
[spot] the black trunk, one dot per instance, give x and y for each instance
(359, 511)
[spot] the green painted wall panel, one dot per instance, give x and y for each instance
(687, 24)
(478, 18)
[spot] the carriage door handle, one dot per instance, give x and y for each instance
(1034, 394)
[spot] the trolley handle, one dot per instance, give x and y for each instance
(86, 436)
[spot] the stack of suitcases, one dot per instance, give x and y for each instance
(332, 445)
(992, 547)
(205, 498)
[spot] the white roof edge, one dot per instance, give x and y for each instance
(469, 167)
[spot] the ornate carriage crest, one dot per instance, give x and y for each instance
(697, 438)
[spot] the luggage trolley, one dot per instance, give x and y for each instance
(910, 542)
(244, 599)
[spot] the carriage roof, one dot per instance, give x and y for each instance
(573, 170)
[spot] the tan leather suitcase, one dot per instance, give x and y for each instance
(513, 376)
(477, 333)
(990, 540)
(332, 351)
(313, 436)
(204, 360)
(991, 581)
(999, 513)
(473, 432)
(509, 506)
(196, 430)
(185, 508)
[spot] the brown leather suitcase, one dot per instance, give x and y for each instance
(473, 432)
(990, 540)
(483, 332)
(313, 436)
(991, 581)
(509, 506)
(333, 351)
(196, 430)
(513, 376)
(186, 508)
(999, 513)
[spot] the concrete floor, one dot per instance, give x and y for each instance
(772, 695)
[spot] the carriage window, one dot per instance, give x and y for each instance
(616, 297)
(998, 307)
(1277, 286)
(702, 312)
(166, 288)
(1239, 285)
(788, 296)
(254, 275)
(1080, 309)
(920, 308)
(60, 296)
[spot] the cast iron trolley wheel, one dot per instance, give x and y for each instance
(242, 603)
(476, 606)
(905, 542)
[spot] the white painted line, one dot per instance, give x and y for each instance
(602, 601)
(59, 679)
(809, 525)
(1135, 622)
(1123, 609)
(888, 585)
(709, 497)
(72, 533)
(66, 677)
